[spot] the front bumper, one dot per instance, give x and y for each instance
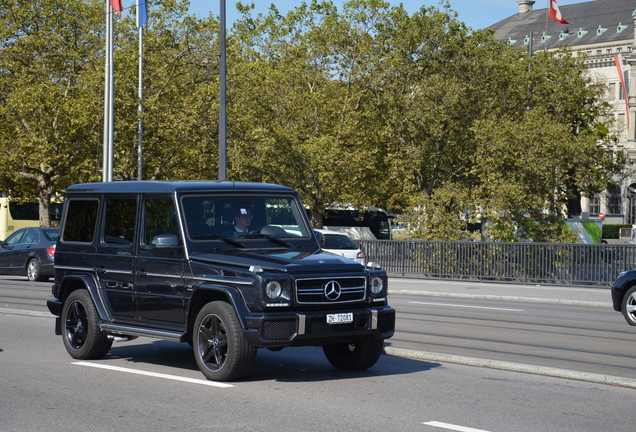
(283, 329)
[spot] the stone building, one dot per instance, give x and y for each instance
(597, 31)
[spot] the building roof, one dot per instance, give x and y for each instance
(592, 22)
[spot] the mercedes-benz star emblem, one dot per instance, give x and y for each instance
(333, 290)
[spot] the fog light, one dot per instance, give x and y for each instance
(273, 290)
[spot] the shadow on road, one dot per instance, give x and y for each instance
(299, 364)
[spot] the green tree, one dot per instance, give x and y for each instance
(300, 87)
(48, 83)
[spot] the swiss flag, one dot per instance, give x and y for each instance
(555, 13)
(116, 4)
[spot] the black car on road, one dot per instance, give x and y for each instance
(30, 252)
(227, 267)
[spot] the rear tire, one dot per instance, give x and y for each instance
(220, 350)
(358, 355)
(33, 271)
(80, 332)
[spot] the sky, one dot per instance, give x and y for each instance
(477, 14)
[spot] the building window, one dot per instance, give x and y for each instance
(620, 122)
(619, 50)
(611, 91)
(594, 206)
(614, 202)
(608, 51)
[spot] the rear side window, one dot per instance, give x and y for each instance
(119, 224)
(81, 217)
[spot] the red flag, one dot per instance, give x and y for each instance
(116, 4)
(618, 61)
(555, 13)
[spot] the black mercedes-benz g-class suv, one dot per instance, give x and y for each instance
(227, 267)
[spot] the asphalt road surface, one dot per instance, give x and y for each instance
(150, 384)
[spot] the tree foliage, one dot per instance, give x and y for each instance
(367, 105)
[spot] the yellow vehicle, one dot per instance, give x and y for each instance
(18, 214)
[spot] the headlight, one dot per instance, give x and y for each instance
(377, 285)
(277, 292)
(273, 290)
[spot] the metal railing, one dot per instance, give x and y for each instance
(525, 263)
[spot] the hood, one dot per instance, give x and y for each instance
(287, 261)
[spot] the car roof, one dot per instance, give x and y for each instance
(159, 186)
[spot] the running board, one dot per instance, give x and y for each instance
(140, 331)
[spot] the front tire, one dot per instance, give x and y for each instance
(81, 334)
(358, 355)
(220, 350)
(628, 306)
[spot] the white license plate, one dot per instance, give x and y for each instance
(341, 318)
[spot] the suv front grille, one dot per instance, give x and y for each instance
(330, 290)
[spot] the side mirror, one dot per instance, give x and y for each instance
(166, 240)
(320, 237)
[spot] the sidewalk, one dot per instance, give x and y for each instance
(551, 294)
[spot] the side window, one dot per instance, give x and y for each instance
(31, 236)
(81, 217)
(160, 217)
(119, 224)
(15, 238)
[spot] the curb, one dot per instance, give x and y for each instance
(26, 312)
(510, 366)
(543, 300)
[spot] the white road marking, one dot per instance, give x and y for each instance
(467, 306)
(155, 374)
(452, 427)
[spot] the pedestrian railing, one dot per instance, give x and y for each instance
(536, 263)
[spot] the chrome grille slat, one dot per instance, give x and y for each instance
(311, 290)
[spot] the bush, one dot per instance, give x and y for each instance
(612, 231)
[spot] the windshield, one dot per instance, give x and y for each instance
(235, 220)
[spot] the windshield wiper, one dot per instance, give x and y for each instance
(220, 237)
(269, 237)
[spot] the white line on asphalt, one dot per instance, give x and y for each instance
(155, 374)
(467, 306)
(452, 427)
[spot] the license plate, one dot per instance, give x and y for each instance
(341, 318)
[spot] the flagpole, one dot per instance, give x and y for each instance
(545, 33)
(108, 102)
(140, 109)
(222, 99)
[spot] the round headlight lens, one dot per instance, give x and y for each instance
(377, 285)
(273, 289)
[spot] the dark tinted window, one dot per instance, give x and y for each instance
(159, 218)
(81, 217)
(119, 225)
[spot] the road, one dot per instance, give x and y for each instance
(551, 337)
(155, 385)
(151, 385)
